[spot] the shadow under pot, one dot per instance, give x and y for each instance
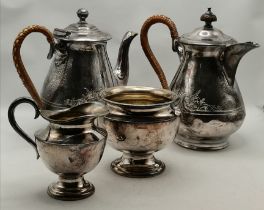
(141, 121)
(70, 146)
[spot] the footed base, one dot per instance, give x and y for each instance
(137, 165)
(202, 144)
(70, 188)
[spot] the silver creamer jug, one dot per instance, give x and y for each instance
(80, 68)
(212, 107)
(71, 145)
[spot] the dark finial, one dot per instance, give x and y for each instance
(82, 14)
(208, 18)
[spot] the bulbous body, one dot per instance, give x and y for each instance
(140, 136)
(211, 105)
(212, 109)
(72, 157)
(140, 122)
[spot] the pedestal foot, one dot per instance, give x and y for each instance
(70, 188)
(137, 165)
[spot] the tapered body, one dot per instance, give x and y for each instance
(80, 68)
(77, 76)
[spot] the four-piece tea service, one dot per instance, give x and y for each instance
(87, 103)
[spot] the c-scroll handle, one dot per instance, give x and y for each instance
(18, 61)
(16, 127)
(146, 48)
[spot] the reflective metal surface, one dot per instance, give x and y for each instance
(70, 146)
(81, 31)
(71, 160)
(80, 68)
(80, 71)
(211, 106)
(140, 122)
(207, 35)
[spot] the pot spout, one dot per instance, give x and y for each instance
(121, 70)
(232, 56)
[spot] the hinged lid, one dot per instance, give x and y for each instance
(207, 35)
(81, 31)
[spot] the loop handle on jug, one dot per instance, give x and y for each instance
(146, 48)
(18, 61)
(13, 123)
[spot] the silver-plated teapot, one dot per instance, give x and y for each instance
(80, 68)
(212, 107)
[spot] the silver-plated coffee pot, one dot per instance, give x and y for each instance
(80, 68)
(212, 107)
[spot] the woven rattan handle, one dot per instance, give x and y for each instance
(145, 43)
(18, 61)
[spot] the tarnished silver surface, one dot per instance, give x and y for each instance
(80, 68)
(211, 107)
(81, 31)
(207, 35)
(71, 160)
(140, 122)
(70, 146)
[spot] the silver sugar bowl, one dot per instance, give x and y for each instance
(141, 121)
(70, 146)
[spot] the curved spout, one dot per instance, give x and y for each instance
(121, 70)
(232, 56)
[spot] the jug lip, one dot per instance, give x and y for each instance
(76, 115)
(167, 96)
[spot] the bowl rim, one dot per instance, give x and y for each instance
(119, 89)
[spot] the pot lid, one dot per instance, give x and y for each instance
(207, 35)
(81, 31)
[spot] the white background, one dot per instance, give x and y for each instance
(228, 179)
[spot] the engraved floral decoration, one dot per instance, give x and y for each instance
(195, 103)
(87, 96)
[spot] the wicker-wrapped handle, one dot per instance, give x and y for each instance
(18, 61)
(145, 43)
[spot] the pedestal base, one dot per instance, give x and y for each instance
(70, 188)
(202, 144)
(137, 165)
